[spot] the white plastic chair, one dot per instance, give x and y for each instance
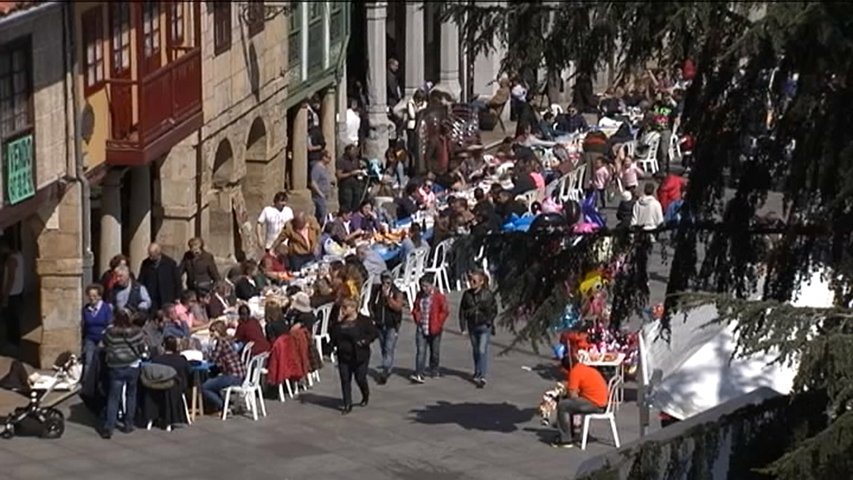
(674, 148)
(246, 353)
(529, 197)
(438, 268)
(250, 388)
(612, 389)
(649, 161)
(186, 412)
(364, 297)
(408, 280)
(320, 330)
(571, 186)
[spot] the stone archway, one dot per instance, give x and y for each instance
(223, 239)
(263, 174)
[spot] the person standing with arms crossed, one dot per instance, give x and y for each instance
(477, 314)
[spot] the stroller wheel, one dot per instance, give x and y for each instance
(8, 432)
(54, 424)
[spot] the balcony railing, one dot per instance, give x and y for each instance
(151, 115)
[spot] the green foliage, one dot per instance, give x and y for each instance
(752, 137)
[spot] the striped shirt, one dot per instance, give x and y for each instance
(124, 347)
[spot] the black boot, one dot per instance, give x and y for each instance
(346, 409)
(364, 402)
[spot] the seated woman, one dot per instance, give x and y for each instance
(364, 219)
(249, 330)
(413, 240)
(165, 408)
(277, 324)
(246, 287)
(231, 368)
(219, 303)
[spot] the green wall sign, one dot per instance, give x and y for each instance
(19, 170)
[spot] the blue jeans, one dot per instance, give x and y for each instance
(480, 336)
(90, 351)
(320, 209)
(422, 342)
(121, 377)
(388, 343)
(212, 388)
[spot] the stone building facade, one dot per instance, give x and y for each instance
(40, 212)
(214, 183)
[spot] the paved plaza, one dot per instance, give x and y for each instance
(445, 429)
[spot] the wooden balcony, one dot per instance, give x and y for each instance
(150, 116)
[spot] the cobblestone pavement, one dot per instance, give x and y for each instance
(442, 430)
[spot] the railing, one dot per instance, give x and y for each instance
(164, 98)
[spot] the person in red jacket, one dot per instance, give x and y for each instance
(249, 330)
(670, 190)
(430, 311)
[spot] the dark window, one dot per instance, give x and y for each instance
(120, 46)
(221, 27)
(176, 24)
(255, 17)
(16, 121)
(295, 40)
(93, 43)
(151, 28)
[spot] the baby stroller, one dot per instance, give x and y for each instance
(38, 419)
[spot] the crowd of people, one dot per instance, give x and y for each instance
(135, 319)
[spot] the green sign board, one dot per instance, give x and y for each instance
(19, 170)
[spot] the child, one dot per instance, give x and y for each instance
(600, 179)
(631, 173)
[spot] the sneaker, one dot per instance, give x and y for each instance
(417, 379)
(382, 379)
(435, 373)
(481, 382)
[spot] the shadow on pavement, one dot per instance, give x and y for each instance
(416, 470)
(544, 434)
(487, 417)
(80, 414)
(549, 371)
(333, 403)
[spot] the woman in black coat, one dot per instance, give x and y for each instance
(352, 335)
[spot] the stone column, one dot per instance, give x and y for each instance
(341, 117)
(327, 119)
(110, 220)
(175, 205)
(140, 215)
(377, 140)
(59, 268)
(300, 148)
(448, 77)
(486, 68)
(300, 196)
(414, 47)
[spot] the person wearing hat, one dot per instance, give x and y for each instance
(386, 308)
(301, 311)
